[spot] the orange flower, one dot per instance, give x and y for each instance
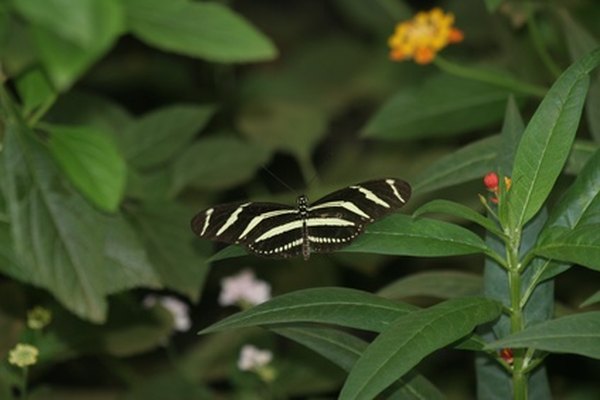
(424, 36)
(491, 181)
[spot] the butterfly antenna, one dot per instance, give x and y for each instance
(278, 179)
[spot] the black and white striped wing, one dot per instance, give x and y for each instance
(266, 229)
(337, 219)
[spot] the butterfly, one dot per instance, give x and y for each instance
(281, 231)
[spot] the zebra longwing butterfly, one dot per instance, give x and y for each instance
(280, 231)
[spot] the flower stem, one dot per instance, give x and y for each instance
(24, 383)
(493, 78)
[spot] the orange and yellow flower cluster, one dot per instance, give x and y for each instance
(422, 37)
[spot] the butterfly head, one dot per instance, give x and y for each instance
(302, 203)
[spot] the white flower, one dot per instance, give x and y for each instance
(253, 358)
(244, 288)
(178, 309)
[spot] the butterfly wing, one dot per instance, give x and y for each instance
(257, 226)
(335, 220)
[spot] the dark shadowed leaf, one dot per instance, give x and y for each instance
(440, 284)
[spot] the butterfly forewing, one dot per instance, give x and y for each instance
(277, 230)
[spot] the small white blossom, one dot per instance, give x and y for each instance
(244, 288)
(178, 309)
(253, 358)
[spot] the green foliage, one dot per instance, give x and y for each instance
(119, 119)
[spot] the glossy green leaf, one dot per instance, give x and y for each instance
(92, 162)
(547, 140)
(411, 338)
(510, 136)
(34, 90)
(402, 235)
(198, 29)
(176, 255)
(338, 306)
(68, 47)
(344, 349)
(576, 334)
(581, 152)
(580, 245)
(446, 105)
(217, 162)
(159, 135)
(440, 284)
(468, 163)
(458, 210)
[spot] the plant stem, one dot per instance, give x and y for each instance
(24, 384)
(519, 376)
(539, 45)
(493, 78)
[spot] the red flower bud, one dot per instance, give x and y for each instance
(491, 181)
(507, 355)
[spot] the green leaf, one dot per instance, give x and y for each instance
(547, 140)
(158, 136)
(92, 162)
(34, 90)
(581, 152)
(458, 210)
(580, 245)
(444, 106)
(344, 349)
(68, 47)
(580, 42)
(492, 5)
(217, 163)
(471, 162)
(580, 204)
(512, 131)
(178, 260)
(593, 299)
(440, 284)
(401, 235)
(58, 240)
(576, 334)
(411, 338)
(338, 306)
(205, 30)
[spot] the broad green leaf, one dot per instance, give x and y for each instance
(411, 338)
(99, 23)
(440, 284)
(547, 140)
(158, 136)
(34, 90)
(92, 162)
(468, 163)
(58, 239)
(593, 299)
(580, 42)
(402, 235)
(580, 205)
(232, 251)
(164, 229)
(198, 29)
(217, 163)
(344, 349)
(444, 106)
(74, 22)
(580, 245)
(458, 210)
(576, 334)
(338, 306)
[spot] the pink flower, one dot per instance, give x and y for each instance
(252, 358)
(177, 308)
(244, 289)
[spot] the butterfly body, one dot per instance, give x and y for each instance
(280, 231)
